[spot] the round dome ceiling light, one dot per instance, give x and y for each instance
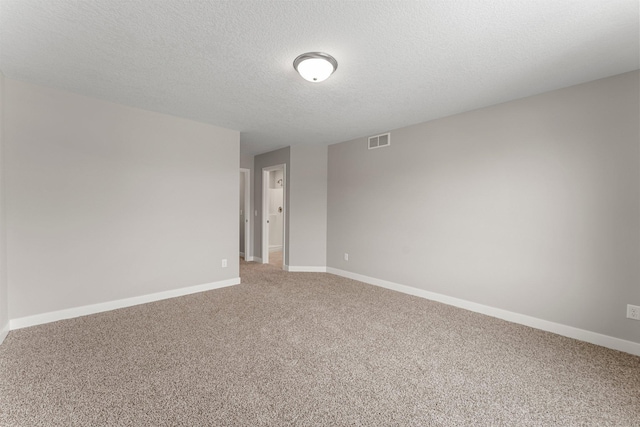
(315, 66)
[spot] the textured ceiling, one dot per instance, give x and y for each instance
(400, 62)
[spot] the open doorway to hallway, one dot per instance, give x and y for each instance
(245, 210)
(273, 212)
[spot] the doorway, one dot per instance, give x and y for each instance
(274, 215)
(245, 209)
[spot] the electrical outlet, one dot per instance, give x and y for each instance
(224, 263)
(346, 257)
(633, 312)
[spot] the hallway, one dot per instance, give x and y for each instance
(275, 259)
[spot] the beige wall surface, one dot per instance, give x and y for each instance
(4, 288)
(106, 202)
(308, 212)
(531, 206)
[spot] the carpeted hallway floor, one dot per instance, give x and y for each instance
(275, 259)
(308, 349)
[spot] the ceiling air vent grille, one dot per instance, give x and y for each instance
(379, 141)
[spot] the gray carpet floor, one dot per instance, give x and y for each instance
(308, 349)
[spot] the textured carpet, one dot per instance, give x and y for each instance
(275, 258)
(308, 349)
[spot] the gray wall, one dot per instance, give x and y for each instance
(532, 206)
(246, 161)
(106, 202)
(308, 206)
(4, 293)
(272, 158)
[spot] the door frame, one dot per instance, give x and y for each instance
(246, 215)
(265, 212)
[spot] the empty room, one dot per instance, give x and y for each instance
(319, 213)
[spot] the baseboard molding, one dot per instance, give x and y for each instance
(53, 316)
(305, 269)
(545, 325)
(249, 258)
(4, 332)
(277, 248)
(257, 259)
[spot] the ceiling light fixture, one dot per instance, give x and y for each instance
(315, 66)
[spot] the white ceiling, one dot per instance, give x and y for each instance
(400, 62)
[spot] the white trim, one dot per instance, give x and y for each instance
(545, 325)
(275, 248)
(4, 332)
(249, 258)
(305, 269)
(53, 316)
(257, 259)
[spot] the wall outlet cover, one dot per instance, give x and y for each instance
(633, 312)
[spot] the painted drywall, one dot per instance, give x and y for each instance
(246, 161)
(4, 289)
(308, 212)
(272, 158)
(531, 206)
(107, 202)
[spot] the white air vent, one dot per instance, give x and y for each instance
(379, 141)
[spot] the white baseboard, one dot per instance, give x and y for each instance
(70, 313)
(534, 322)
(4, 332)
(257, 259)
(306, 269)
(249, 258)
(275, 248)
